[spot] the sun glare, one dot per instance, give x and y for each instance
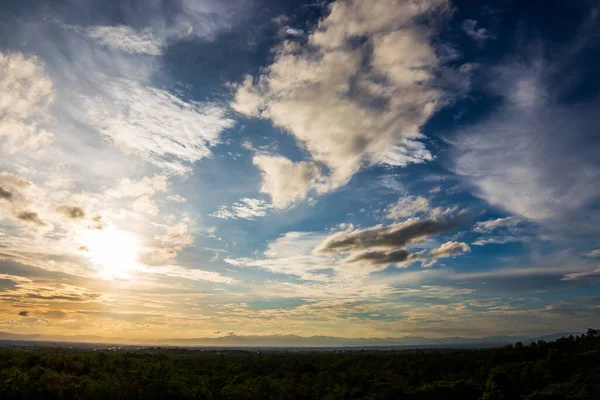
(114, 252)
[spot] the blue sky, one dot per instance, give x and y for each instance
(194, 168)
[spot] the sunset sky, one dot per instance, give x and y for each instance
(382, 168)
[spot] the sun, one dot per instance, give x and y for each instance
(113, 251)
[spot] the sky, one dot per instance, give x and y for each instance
(384, 168)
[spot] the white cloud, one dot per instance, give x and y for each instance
(147, 186)
(287, 181)
(291, 254)
(498, 240)
(27, 95)
(475, 33)
(176, 198)
(449, 249)
(519, 158)
(288, 30)
(127, 39)
(246, 208)
(501, 231)
(581, 275)
(408, 206)
(145, 204)
(337, 107)
(408, 151)
(593, 253)
(494, 224)
(178, 234)
(189, 273)
(155, 124)
(188, 18)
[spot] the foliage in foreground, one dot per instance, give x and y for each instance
(568, 368)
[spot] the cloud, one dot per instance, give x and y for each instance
(54, 314)
(30, 216)
(73, 212)
(246, 208)
(189, 273)
(287, 181)
(506, 157)
(288, 30)
(144, 204)
(408, 206)
(126, 39)
(27, 95)
(402, 257)
(178, 234)
(155, 124)
(78, 298)
(449, 249)
(581, 275)
(123, 129)
(147, 186)
(494, 224)
(380, 257)
(5, 194)
(349, 103)
(159, 27)
(593, 253)
(24, 313)
(469, 26)
(383, 237)
(501, 231)
(291, 254)
(176, 198)
(498, 240)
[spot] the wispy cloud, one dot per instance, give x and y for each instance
(127, 39)
(593, 253)
(155, 124)
(480, 35)
(246, 208)
(504, 157)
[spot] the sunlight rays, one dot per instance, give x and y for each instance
(114, 252)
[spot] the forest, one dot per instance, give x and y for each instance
(568, 368)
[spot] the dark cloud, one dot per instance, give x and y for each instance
(384, 237)
(97, 223)
(54, 314)
(7, 284)
(24, 313)
(82, 297)
(582, 307)
(30, 216)
(5, 194)
(380, 257)
(73, 212)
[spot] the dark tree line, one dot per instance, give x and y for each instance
(568, 368)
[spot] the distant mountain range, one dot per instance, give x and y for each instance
(298, 341)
